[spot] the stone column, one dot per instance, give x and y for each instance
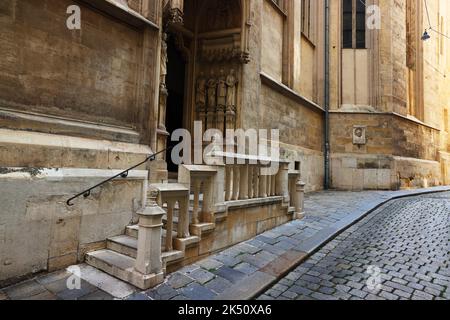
(148, 259)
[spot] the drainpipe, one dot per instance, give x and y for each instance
(327, 182)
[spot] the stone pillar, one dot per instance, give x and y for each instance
(299, 200)
(148, 259)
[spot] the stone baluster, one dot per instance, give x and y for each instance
(269, 185)
(235, 182)
(148, 259)
(221, 119)
(243, 188)
(299, 200)
(274, 185)
(262, 185)
(169, 225)
(208, 201)
(256, 181)
(251, 173)
(283, 181)
(196, 210)
(183, 218)
(228, 183)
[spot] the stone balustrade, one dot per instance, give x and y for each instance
(174, 197)
(211, 190)
(206, 185)
(252, 177)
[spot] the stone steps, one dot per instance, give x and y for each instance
(121, 267)
(118, 259)
(127, 245)
(133, 232)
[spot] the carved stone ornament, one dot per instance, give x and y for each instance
(359, 135)
(224, 49)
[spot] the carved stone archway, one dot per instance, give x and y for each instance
(212, 36)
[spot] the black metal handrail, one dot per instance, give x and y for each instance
(124, 174)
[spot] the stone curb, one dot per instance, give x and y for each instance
(256, 284)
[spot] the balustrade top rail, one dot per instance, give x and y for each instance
(246, 157)
(124, 174)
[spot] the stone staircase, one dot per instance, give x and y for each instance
(119, 257)
(178, 215)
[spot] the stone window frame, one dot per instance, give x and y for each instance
(285, 8)
(308, 20)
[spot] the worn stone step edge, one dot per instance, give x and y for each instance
(122, 267)
(127, 245)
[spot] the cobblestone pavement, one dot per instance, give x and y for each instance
(247, 268)
(401, 251)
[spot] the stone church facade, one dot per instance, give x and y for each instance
(357, 107)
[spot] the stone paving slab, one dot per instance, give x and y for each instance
(245, 270)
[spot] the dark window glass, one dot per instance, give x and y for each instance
(360, 24)
(347, 41)
(354, 24)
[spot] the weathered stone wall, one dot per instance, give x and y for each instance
(86, 75)
(301, 132)
(399, 153)
(39, 232)
(75, 105)
(276, 105)
(239, 224)
(272, 41)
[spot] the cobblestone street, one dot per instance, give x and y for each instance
(401, 251)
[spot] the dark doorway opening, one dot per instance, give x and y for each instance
(175, 83)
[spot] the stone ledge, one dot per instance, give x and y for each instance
(16, 120)
(65, 174)
(283, 89)
(121, 12)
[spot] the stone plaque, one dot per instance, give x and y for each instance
(359, 135)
